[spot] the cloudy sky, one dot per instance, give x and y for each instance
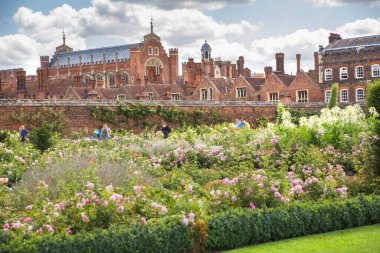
(256, 29)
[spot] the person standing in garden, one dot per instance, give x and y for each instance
(23, 134)
(105, 132)
(165, 130)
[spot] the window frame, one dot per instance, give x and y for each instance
(327, 98)
(356, 72)
(357, 95)
(330, 75)
(373, 70)
(241, 92)
(203, 94)
(150, 96)
(175, 96)
(111, 81)
(305, 99)
(341, 73)
(272, 93)
(341, 96)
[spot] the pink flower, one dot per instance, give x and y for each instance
(30, 229)
(277, 194)
(278, 162)
(143, 220)
(120, 209)
(4, 180)
(79, 205)
(163, 210)
(233, 199)
(50, 229)
(86, 201)
(84, 217)
(190, 188)
(69, 231)
(185, 221)
(39, 230)
(97, 201)
(191, 216)
(137, 188)
(105, 203)
(27, 220)
(90, 185)
(16, 225)
(113, 198)
(251, 205)
(260, 185)
(273, 189)
(30, 207)
(6, 227)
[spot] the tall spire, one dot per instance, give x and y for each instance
(151, 25)
(64, 36)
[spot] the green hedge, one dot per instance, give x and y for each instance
(226, 230)
(241, 227)
(161, 237)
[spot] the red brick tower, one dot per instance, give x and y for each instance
(240, 66)
(173, 65)
(280, 63)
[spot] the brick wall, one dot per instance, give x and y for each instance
(78, 112)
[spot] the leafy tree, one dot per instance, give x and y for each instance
(280, 111)
(373, 95)
(333, 101)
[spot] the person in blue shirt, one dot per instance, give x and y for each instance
(239, 124)
(23, 134)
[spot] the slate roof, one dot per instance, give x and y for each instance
(256, 83)
(123, 52)
(222, 83)
(365, 41)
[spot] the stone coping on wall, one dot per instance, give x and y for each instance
(84, 102)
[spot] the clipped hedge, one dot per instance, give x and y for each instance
(223, 231)
(165, 236)
(241, 227)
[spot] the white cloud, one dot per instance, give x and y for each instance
(338, 3)
(109, 22)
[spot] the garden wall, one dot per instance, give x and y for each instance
(79, 115)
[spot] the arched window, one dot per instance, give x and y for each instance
(150, 50)
(153, 67)
(111, 81)
(86, 81)
(156, 51)
(125, 78)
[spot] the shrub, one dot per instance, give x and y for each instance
(373, 94)
(240, 227)
(333, 101)
(42, 138)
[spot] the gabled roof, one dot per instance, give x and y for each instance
(285, 78)
(223, 84)
(365, 41)
(256, 83)
(123, 53)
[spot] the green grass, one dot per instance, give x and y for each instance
(356, 240)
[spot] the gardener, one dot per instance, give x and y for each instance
(23, 134)
(239, 124)
(165, 130)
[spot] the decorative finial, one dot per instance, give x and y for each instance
(151, 25)
(64, 36)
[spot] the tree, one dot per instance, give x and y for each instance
(373, 95)
(333, 101)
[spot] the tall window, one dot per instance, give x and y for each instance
(359, 71)
(273, 97)
(86, 80)
(156, 51)
(343, 73)
(343, 95)
(150, 50)
(175, 96)
(241, 92)
(328, 74)
(150, 96)
(99, 78)
(302, 96)
(125, 78)
(327, 95)
(121, 97)
(204, 94)
(376, 70)
(360, 95)
(211, 94)
(111, 82)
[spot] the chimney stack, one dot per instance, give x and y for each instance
(316, 61)
(334, 37)
(280, 63)
(298, 56)
(267, 71)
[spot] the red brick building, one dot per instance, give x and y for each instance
(352, 63)
(139, 64)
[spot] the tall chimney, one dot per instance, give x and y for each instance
(334, 37)
(316, 61)
(267, 71)
(280, 63)
(298, 56)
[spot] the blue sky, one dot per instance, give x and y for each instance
(256, 29)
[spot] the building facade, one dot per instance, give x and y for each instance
(352, 63)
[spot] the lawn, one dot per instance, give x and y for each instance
(363, 239)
